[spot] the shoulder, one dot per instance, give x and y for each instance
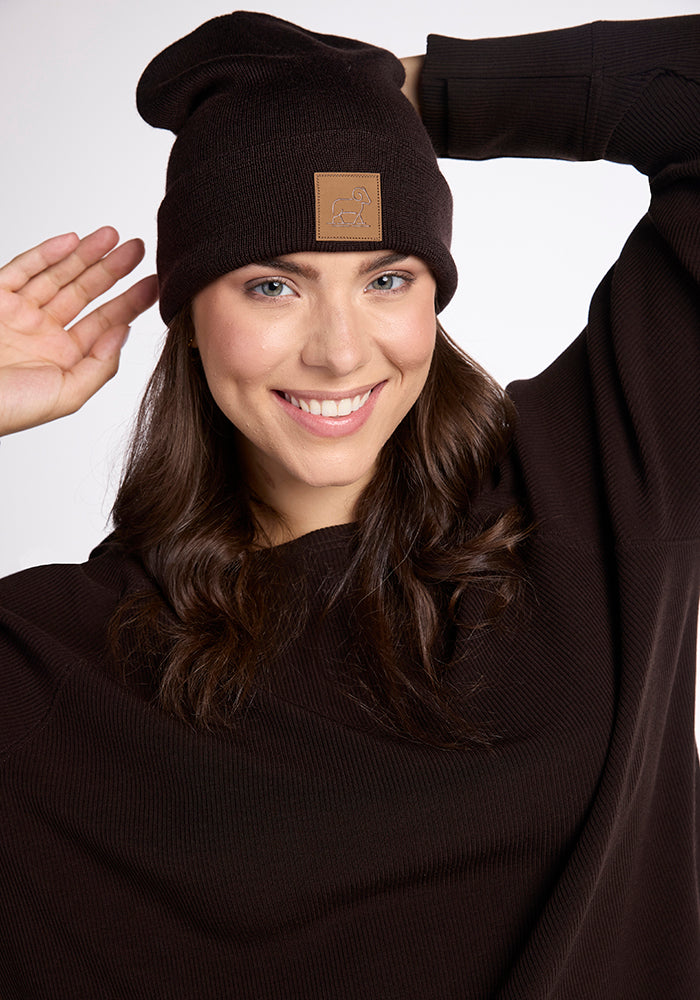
(68, 602)
(53, 619)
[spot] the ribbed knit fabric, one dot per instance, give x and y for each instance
(313, 856)
(259, 106)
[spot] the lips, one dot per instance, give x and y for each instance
(334, 415)
(329, 407)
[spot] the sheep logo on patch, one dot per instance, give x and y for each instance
(348, 207)
(348, 211)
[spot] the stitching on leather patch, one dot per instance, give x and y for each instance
(348, 207)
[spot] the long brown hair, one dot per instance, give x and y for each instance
(185, 510)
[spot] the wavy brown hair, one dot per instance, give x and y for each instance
(212, 623)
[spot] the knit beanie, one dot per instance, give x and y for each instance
(288, 141)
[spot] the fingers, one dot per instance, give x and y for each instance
(47, 371)
(54, 282)
(64, 274)
(90, 374)
(70, 300)
(67, 286)
(118, 312)
(30, 396)
(25, 266)
(93, 371)
(41, 287)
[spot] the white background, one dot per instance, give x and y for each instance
(532, 238)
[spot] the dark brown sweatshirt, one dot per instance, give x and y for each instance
(312, 855)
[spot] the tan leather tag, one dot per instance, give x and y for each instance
(348, 207)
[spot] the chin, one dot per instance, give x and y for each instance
(322, 482)
(343, 478)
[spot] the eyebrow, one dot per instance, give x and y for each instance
(309, 272)
(388, 260)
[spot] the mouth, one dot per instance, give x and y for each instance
(320, 406)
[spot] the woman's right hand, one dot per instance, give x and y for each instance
(48, 369)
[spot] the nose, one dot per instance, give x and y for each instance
(338, 340)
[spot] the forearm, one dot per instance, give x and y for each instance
(568, 94)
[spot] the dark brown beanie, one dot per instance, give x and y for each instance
(288, 141)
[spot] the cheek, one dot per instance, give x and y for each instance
(410, 346)
(240, 354)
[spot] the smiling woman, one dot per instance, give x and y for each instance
(234, 417)
(316, 364)
(382, 685)
(321, 298)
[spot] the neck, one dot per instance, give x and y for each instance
(302, 509)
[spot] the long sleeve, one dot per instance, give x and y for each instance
(628, 92)
(608, 463)
(567, 94)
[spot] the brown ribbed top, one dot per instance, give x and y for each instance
(312, 855)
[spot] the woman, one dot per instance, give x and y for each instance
(383, 696)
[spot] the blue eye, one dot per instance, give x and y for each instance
(272, 288)
(387, 282)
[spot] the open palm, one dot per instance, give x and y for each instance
(48, 368)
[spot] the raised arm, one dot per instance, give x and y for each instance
(48, 368)
(625, 399)
(570, 94)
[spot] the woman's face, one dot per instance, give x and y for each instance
(316, 358)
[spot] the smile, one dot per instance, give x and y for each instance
(329, 407)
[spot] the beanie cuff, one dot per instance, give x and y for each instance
(208, 228)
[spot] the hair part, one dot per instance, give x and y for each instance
(416, 551)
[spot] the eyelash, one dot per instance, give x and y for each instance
(406, 280)
(253, 289)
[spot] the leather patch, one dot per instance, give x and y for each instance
(348, 207)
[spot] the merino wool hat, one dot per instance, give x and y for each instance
(288, 141)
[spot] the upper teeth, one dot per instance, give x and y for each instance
(329, 407)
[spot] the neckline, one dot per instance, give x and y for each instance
(320, 539)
